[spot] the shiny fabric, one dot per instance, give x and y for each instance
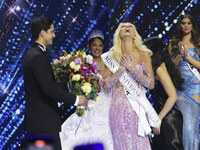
(124, 123)
(189, 107)
(92, 127)
(170, 137)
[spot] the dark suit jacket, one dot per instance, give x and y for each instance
(42, 93)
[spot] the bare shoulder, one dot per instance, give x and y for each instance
(144, 55)
(162, 68)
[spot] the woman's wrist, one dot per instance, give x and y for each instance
(186, 57)
(179, 54)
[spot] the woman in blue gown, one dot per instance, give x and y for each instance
(185, 48)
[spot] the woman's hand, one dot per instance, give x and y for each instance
(128, 62)
(157, 130)
(182, 49)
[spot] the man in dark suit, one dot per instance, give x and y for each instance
(42, 93)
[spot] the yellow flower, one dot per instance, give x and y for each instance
(84, 55)
(77, 67)
(72, 64)
(76, 77)
(86, 88)
(69, 56)
(98, 98)
(78, 52)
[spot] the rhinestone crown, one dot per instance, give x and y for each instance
(96, 33)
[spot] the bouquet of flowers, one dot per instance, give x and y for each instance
(78, 70)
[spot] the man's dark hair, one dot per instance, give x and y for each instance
(41, 23)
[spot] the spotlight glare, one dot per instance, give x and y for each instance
(160, 35)
(18, 8)
(175, 21)
(12, 10)
(167, 28)
(17, 111)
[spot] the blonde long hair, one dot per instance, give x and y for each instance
(116, 50)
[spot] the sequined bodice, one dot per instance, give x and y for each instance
(124, 122)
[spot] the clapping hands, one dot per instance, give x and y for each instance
(182, 49)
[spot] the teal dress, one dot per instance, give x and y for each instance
(189, 107)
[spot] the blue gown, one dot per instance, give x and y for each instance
(189, 107)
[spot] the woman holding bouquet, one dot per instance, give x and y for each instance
(127, 118)
(93, 126)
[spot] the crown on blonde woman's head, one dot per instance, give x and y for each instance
(96, 33)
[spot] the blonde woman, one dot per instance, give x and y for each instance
(134, 60)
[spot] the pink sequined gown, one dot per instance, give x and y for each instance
(124, 122)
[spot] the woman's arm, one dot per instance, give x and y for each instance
(163, 76)
(177, 58)
(112, 79)
(165, 79)
(192, 61)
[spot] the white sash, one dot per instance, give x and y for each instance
(136, 97)
(194, 71)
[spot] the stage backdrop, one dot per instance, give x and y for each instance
(74, 20)
(151, 18)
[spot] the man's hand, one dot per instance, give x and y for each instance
(83, 101)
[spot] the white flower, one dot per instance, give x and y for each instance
(77, 67)
(89, 59)
(76, 77)
(74, 66)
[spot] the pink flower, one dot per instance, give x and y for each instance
(63, 58)
(84, 70)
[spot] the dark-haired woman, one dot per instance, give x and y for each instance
(93, 126)
(185, 48)
(164, 96)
